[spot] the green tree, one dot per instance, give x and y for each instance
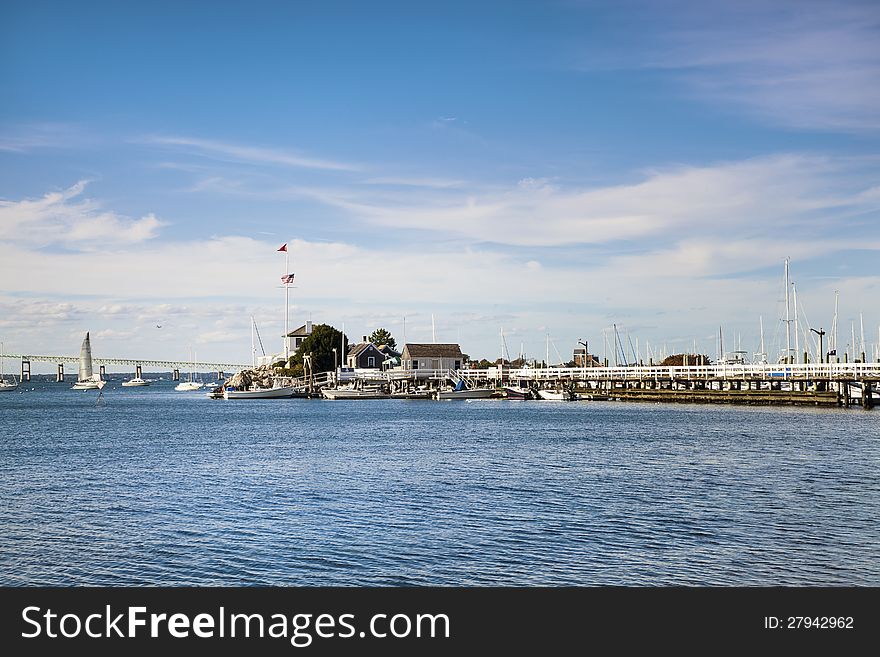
(383, 336)
(320, 344)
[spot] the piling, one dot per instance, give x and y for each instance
(59, 377)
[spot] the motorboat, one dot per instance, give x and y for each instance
(418, 393)
(555, 395)
(276, 392)
(136, 381)
(367, 392)
(187, 386)
(461, 391)
(513, 392)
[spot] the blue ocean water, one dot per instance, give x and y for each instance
(154, 486)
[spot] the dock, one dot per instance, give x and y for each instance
(825, 384)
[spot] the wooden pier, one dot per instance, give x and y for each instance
(826, 384)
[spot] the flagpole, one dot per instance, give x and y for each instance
(286, 306)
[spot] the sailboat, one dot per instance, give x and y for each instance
(86, 379)
(5, 386)
(277, 391)
(192, 384)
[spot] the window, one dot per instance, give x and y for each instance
(371, 361)
(415, 364)
(457, 365)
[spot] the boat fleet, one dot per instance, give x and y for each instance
(87, 379)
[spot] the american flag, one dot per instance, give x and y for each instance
(287, 278)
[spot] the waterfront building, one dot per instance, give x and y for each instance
(365, 355)
(296, 337)
(432, 356)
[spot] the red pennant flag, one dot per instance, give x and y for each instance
(283, 247)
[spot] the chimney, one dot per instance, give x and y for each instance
(308, 327)
(365, 339)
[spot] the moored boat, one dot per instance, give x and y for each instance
(462, 392)
(276, 392)
(354, 393)
(186, 386)
(555, 395)
(86, 379)
(134, 382)
(513, 392)
(412, 394)
(5, 385)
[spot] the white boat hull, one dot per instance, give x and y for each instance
(330, 393)
(281, 392)
(188, 386)
(554, 395)
(133, 383)
(87, 385)
(469, 393)
(8, 387)
(416, 394)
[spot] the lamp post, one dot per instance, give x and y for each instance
(820, 333)
(586, 351)
(335, 366)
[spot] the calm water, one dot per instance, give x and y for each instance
(161, 487)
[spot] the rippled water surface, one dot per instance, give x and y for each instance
(161, 487)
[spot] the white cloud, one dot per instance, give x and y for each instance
(759, 197)
(63, 218)
(253, 154)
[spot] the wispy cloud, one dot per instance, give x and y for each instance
(759, 197)
(402, 181)
(32, 136)
(63, 217)
(252, 154)
(801, 64)
(806, 64)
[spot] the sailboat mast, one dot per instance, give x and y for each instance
(853, 343)
(797, 342)
(501, 362)
(254, 346)
(834, 325)
(862, 329)
(761, 319)
(787, 317)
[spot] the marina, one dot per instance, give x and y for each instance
(826, 384)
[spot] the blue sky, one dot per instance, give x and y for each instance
(545, 168)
